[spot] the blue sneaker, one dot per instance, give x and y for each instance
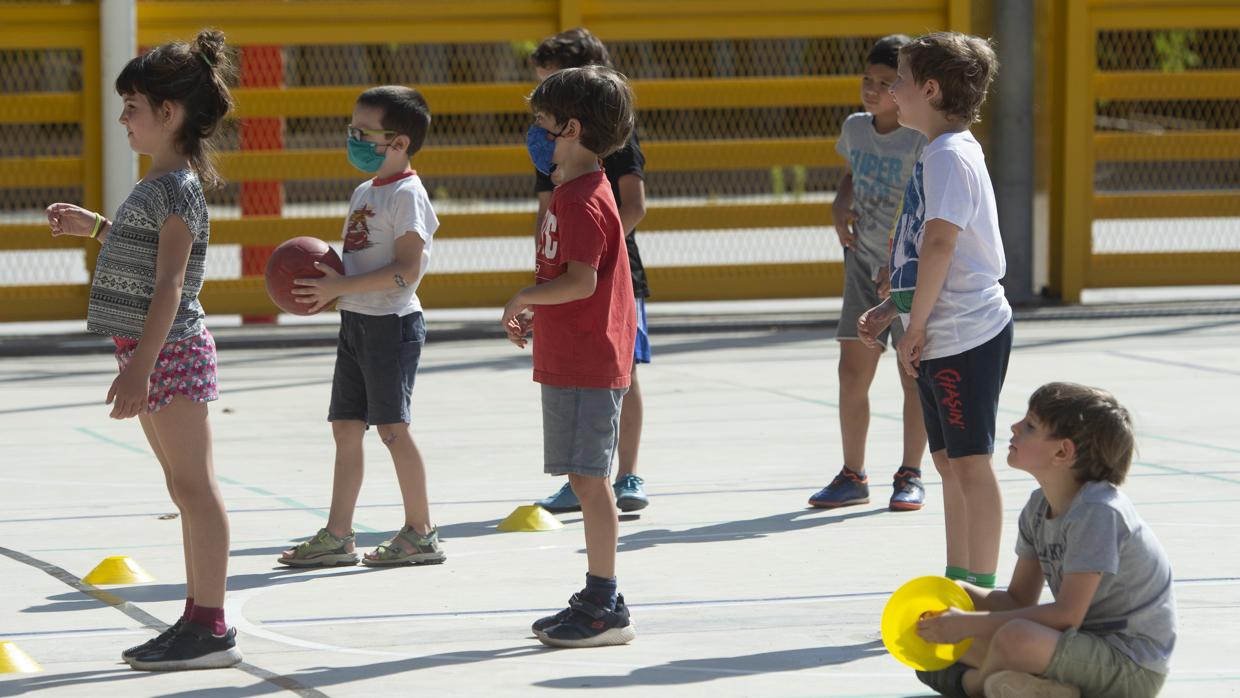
(563, 501)
(847, 488)
(909, 493)
(629, 493)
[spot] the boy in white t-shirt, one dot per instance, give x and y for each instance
(387, 247)
(946, 262)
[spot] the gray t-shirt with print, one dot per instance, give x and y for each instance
(881, 165)
(1134, 607)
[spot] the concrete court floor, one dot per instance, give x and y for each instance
(736, 587)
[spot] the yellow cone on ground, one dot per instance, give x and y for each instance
(118, 569)
(14, 661)
(530, 517)
(923, 596)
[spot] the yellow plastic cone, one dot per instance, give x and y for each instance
(118, 569)
(530, 517)
(14, 661)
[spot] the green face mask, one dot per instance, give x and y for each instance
(365, 156)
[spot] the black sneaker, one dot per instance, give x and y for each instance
(541, 625)
(948, 682)
(591, 625)
(157, 641)
(194, 647)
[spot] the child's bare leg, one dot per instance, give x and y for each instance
(602, 523)
(914, 424)
(347, 477)
(1019, 645)
(858, 364)
(955, 512)
(152, 438)
(630, 427)
(984, 519)
(184, 433)
(410, 474)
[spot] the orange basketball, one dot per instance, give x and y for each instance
(295, 260)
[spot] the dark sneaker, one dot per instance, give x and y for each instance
(909, 493)
(541, 625)
(629, 493)
(157, 641)
(562, 502)
(194, 647)
(948, 682)
(590, 625)
(847, 488)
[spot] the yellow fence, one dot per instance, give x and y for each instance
(672, 50)
(1150, 133)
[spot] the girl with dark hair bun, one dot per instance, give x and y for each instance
(144, 294)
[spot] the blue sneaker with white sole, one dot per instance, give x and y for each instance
(846, 489)
(563, 501)
(629, 493)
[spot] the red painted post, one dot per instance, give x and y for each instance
(261, 66)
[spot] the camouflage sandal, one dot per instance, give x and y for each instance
(323, 550)
(426, 550)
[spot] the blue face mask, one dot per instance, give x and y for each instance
(365, 156)
(541, 148)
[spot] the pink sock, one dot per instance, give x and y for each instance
(209, 618)
(189, 608)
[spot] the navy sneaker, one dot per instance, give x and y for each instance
(909, 494)
(948, 682)
(541, 625)
(563, 501)
(846, 489)
(194, 647)
(590, 625)
(629, 493)
(157, 641)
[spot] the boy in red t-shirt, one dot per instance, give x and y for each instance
(585, 324)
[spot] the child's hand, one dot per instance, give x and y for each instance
(945, 628)
(67, 219)
(844, 220)
(128, 393)
(883, 278)
(872, 323)
(320, 292)
(908, 351)
(519, 328)
(515, 307)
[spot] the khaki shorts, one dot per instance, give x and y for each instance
(1100, 669)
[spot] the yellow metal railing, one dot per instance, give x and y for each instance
(1075, 264)
(316, 22)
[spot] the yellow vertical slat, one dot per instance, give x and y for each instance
(1078, 151)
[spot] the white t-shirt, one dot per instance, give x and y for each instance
(951, 183)
(381, 211)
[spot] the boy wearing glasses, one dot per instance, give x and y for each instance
(387, 248)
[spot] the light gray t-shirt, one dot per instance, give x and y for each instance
(881, 165)
(1134, 607)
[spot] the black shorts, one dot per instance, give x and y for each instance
(376, 361)
(960, 397)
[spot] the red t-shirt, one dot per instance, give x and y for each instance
(587, 343)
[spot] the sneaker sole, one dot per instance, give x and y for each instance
(411, 561)
(215, 660)
(607, 638)
(903, 506)
(836, 505)
(321, 561)
(631, 504)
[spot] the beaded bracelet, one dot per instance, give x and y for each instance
(98, 224)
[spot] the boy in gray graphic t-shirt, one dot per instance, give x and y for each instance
(1111, 629)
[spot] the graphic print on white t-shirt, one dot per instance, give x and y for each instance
(910, 225)
(357, 231)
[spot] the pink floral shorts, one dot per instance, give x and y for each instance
(187, 367)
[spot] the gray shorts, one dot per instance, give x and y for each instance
(861, 294)
(1100, 669)
(581, 427)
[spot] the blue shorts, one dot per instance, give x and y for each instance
(960, 397)
(376, 362)
(641, 348)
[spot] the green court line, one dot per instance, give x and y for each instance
(286, 501)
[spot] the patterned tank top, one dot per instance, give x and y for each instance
(124, 281)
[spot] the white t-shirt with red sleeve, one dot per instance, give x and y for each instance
(586, 343)
(380, 211)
